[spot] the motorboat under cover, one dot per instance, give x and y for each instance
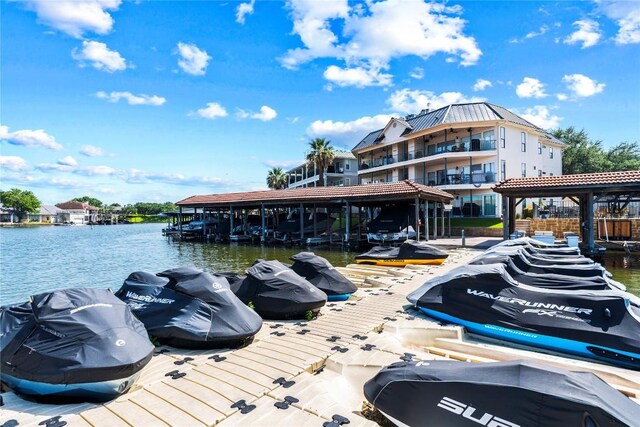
(501, 394)
(74, 343)
(410, 250)
(483, 298)
(320, 273)
(190, 308)
(551, 279)
(277, 292)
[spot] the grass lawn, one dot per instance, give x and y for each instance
(476, 222)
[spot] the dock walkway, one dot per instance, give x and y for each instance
(298, 373)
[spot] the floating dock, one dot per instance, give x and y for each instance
(299, 373)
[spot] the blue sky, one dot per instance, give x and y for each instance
(160, 100)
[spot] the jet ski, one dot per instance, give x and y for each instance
(537, 259)
(541, 247)
(190, 308)
(319, 272)
(602, 325)
(500, 394)
(410, 252)
(277, 292)
(72, 344)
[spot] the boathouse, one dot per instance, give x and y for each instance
(348, 200)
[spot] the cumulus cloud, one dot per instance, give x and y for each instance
(532, 34)
(347, 133)
(582, 86)
(266, 113)
(244, 9)
(137, 176)
(99, 56)
(75, 17)
(284, 164)
(481, 84)
(413, 101)
(213, 110)
(626, 14)
(562, 96)
(48, 167)
(29, 138)
(132, 99)
(68, 161)
(94, 170)
(193, 60)
(417, 73)
(93, 151)
(588, 33)
(13, 163)
(540, 116)
(374, 33)
(530, 88)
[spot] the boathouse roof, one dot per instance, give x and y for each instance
(361, 194)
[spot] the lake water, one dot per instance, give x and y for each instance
(41, 259)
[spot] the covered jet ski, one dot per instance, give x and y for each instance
(323, 275)
(538, 259)
(277, 292)
(541, 247)
(603, 325)
(192, 309)
(501, 394)
(80, 344)
(410, 252)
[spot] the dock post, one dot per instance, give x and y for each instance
(505, 217)
(435, 220)
(348, 230)
(230, 220)
(180, 221)
(588, 223)
(301, 223)
(417, 217)
(426, 221)
(264, 228)
(463, 239)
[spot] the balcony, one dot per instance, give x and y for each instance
(474, 178)
(432, 150)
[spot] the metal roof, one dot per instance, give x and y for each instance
(456, 114)
(406, 190)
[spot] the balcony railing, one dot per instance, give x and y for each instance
(432, 150)
(459, 179)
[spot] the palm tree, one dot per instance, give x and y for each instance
(276, 179)
(321, 156)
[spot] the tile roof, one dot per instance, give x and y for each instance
(606, 179)
(403, 189)
(49, 210)
(455, 114)
(76, 205)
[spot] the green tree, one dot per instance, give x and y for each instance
(624, 157)
(321, 156)
(91, 200)
(581, 154)
(21, 201)
(276, 179)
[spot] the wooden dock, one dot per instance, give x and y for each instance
(298, 373)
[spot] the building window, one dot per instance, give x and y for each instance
(523, 142)
(540, 172)
(524, 170)
(502, 137)
(347, 165)
(551, 152)
(539, 147)
(503, 170)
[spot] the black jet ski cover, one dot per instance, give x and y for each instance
(486, 300)
(72, 336)
(381, 252)
(235, 280)
(322, 274)
(502, 394)
(277, 292)
(193, 309)
(541, 259)
(410, 249)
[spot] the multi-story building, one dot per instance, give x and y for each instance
(343, 171)
(77, 212)
(463, 149)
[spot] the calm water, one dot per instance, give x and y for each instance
(40, 259)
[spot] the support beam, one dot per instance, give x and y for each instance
(315, 214)
(588, 226)
(231, 213)
(512, 215)
(435, 220)
(348, 230)
(426, 220)
(263, 219)
(505, 217)
(301, 222)
(417, 219)
(180, 220)
(442, 211)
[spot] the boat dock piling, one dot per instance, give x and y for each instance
(299, 373)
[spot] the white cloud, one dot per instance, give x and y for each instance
(284, 164)
(68, 161)
(417, 73)
(543, 29)
(588, 33)
(540, 116)
(192, 60)
(13, 163)
(137, 176)
(481, 84)
(582, 86)
(413, 101)
(530, 88)
(132, 99)
(29, 138)
(562, 96)
(347, 133)
(626, 14)
(244, 9)
(374, 33)
(93, 151)
(266, 113)
(46, 167)
(99, 56)
(213, 110)
(94, 170)
(75, 17)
